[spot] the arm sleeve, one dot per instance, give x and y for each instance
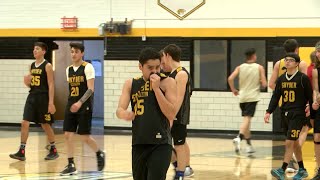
(275, 97)
(89, 71)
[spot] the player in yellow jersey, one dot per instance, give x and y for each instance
(290, 46)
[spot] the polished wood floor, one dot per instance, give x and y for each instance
(211, 158)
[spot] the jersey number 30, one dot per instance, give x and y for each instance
(138, 107)
(289, 96)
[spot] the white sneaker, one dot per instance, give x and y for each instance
(188, 172)
(291, 168)
(250, 149)
(236, 142)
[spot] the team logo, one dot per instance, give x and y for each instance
(181, 8)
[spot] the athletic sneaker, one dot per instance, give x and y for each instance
(70, 169)
(101, 161)
(250, 149)
(20, 155)
(278, 173)
(302, 173)
(53, 154)
(291, 167)
(236, 142)
(188, 172)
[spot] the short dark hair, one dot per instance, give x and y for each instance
(77, 46)
(42, 45)
(249, 52)
(161, 53)
(313, 57)
(294, 56)
(290, 45)
(174, 51)
(147, 54)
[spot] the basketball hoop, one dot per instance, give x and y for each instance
(69, 23)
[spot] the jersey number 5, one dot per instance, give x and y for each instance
(289, 96)
(74, 91)
(138, 107)
(35, 81)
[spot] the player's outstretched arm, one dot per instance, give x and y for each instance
(122, 112)
(231, 78)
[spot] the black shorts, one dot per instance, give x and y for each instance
(316, 128)
(179, 133)
(36, 109)
(248, 108)
(150, 162)
(293, 122)
(79, 122)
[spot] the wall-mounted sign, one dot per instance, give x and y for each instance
(181, 8)
(69, 23)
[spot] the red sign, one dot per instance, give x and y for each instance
(69, 23)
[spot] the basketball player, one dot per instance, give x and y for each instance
(170, 61)
(290, 46)
(78, 113)
(316, 126)
(295, 89)
(251, 76)
(39, 105)
(152, 101)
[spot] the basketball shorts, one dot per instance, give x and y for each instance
(179, 133)
(150, 161)
(248, 108)
(36, 109)
(79, 122)
(293, 121)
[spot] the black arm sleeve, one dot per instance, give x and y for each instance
(308, 92)
(275, 97)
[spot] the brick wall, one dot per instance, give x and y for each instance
(209, 110)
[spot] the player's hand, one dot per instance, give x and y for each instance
(235, 92)
(27, 80)
(315, 106)
(128, 115)
(307, 111)
(155, 81)
(75, 107)
(51, 108)
(266, 118)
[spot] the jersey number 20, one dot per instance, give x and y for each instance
(289, 96)
(74, 91)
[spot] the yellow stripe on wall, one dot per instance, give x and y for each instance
(166, 32)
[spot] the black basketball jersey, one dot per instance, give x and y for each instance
(295, 92)
(39, 82)
(78, 85)
(183, 115)
(150, 126)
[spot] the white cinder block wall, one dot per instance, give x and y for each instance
(13, 92)
(209, 110)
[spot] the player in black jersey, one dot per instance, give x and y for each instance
(78, 112)
(295, 89)
(152, 101)
(316, 95)
(39, 105)
(170, 62)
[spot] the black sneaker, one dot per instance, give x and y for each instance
(20, 155)
(101, 161)
(178, 178)
(53, 154)
(70, 169)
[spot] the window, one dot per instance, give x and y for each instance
(210, 64)
(214, 60)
